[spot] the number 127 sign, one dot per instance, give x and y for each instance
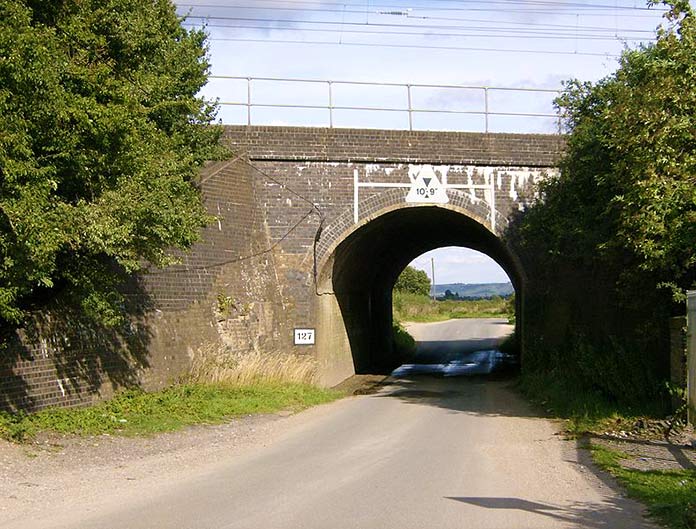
(304, 336)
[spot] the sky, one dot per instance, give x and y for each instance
(531, 44)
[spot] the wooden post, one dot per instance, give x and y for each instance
(691, 354)
(677, 357)
(432, 269)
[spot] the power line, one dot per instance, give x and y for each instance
(526, 3)
(514, 34)
(360, 24)
(408, 16)
(421, 34)
(552, 3)
(559, 8)
(173, 270)
(314, 209)
(416, 46)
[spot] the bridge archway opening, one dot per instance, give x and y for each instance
(364, 266)
(472, 300)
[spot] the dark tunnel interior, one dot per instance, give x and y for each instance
(368, 262)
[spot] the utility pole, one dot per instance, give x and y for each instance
(432, 270)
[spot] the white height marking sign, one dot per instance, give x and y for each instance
(425, 188)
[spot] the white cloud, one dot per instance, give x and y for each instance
(460, 265)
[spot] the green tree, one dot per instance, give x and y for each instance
(413, 281)
(619, 222)
(627, 190)
(101, 139)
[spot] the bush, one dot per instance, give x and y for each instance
(609, 247)
(413, 281)
(404, 344)
(103, 135)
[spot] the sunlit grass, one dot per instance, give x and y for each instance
(135, 412)
(670, 495)
(419, 308)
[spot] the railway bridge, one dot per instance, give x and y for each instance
(312, 227)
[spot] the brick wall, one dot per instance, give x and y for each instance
(401, 146)
(254, 275)
(62, 361)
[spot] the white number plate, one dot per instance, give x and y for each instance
(304, 336)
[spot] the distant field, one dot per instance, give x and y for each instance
(466, 290)
(419, 308)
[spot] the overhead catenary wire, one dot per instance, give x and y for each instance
(438, 27)
(417, 46)
(341, 31)
(408, 16)
(555, 8)
(476, 28)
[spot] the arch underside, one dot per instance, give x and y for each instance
(365, 265)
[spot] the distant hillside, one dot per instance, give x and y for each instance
(484, 290)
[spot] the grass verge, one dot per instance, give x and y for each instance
(670, 495)
(135, 412)
(582, 409)
(419, 308)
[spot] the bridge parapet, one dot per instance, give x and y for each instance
(310, 144)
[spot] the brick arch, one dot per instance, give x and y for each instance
(391, 200)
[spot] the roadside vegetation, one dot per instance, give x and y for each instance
(404, 344)
(610, 249)
(411, 301)
(582, 410)
(103, 135)
(134, 412)
(609, 245)
(670, 495)
(222, 384)
(601, 424)
(419, 308)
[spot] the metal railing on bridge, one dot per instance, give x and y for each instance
(322, 96)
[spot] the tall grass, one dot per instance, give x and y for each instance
(134, 412)
(669, 494)
(215, 364)
(221, 384)
(585, 408)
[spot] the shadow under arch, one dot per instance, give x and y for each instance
(358, 273)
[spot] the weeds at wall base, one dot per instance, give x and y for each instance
(137, 413)
(404, 344)
(216, 364)
(584, 409)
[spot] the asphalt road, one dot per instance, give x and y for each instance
(447, 340)
(431, 453)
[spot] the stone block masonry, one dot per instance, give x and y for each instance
(283, 205)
